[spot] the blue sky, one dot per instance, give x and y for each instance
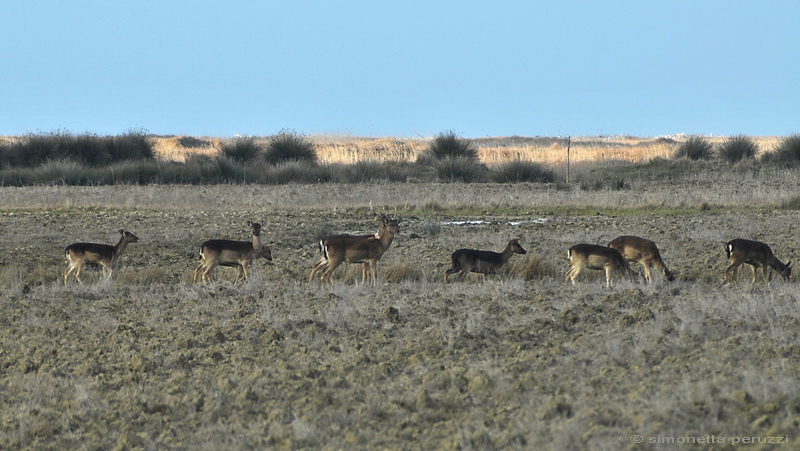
(402, 69)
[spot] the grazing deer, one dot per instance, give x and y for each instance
(593, 256)
(757, 255)
(105, 255)
(482, 262)
(237, 254)
(643, 251)
(364, 249)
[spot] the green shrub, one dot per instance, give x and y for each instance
(737, 148)
(786, 151)
(242, 149)
(289, 146)
(695, 148)
(448, 145)
(459, 169)
(523, 171)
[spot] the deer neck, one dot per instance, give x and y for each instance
(256, 243)
(120, 247)
(385, 238)
(775, 263)
(506, 254)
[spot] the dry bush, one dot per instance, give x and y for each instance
(532, 267)
(399, 272)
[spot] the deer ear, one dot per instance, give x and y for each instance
(121, 232)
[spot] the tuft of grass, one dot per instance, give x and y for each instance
(532, 268)
(459, 169)
(695, 148)
(399, 272)
(737, 148)
(448, 145)
(242, 150)
(523, 171)
(296, 172)
(87, 148)
(289, 146)
(787, 151)
(432, 228)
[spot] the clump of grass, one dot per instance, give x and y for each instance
(791, 204)
(596, 182)
(432, 228)
(460, 170)
(289, 146)
(532, 268)
(787, 151)
(399, 272)
(242, 149)
(295, 172)
(737, 148)
(695, 148)
(448, 145)
(87, 148)
(523, 171)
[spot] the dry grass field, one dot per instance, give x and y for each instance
(150, 360)
(491, 151)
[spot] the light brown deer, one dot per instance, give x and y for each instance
(364, 249)
(482, 262)
(757, 255)
(105, 255)
(592, 256)
(236, 254)
(643, 251)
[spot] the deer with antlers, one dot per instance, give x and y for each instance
(363, 249)
(465, 261)
(756, 254)
(105, 255)
(237, 254)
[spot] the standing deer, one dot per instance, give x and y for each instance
(592, 256)
(105, 255)
(364, 249)
(237, 254)
(643, 251)
(482, 262)
(757, 255)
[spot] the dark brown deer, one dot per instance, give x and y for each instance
(757, 255)
(592, 256)
(105, 255)
(237, 254)
(643, 251)
(466, 261)
(364, 249)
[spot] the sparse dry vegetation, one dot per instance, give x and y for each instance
(516, 360)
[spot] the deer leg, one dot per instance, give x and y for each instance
(327, 273)
(572, 274)
(198, 271)
(731, 271)
(320, 265)
(608, 277)
(207, 273)
(373, 268)
(242, 273)
(647, 273)
(70, 270)
(107, 270)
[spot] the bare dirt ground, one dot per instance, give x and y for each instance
(151, 360)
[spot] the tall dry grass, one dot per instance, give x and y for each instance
(333, 149)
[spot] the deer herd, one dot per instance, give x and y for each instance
(367, 250)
